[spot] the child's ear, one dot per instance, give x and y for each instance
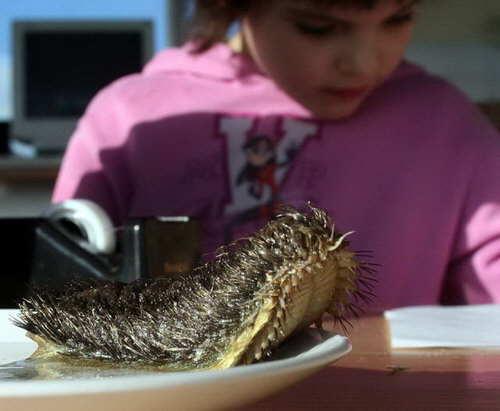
(236, 42)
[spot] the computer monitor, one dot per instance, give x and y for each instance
(60, 65)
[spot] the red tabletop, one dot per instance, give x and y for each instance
(374, 377)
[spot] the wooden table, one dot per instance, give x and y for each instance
(15, 169)
(372, 377)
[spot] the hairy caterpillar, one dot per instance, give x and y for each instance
(232, 310)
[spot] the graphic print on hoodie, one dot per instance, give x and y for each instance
(259, 154)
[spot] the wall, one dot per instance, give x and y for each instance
(460, 40)
(459, 20)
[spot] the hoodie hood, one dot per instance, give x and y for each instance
(218, 62)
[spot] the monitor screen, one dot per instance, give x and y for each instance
(64, 69)
(60, 65)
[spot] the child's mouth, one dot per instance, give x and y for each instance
(346, 93)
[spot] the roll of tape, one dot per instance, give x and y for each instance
(90, 218)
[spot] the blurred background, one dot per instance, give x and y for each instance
(457, 39)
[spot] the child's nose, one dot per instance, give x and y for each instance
(358, 59)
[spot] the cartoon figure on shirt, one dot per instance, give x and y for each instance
(260, 152)
(257, 175)
(259, 172)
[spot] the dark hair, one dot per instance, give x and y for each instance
(212, 18)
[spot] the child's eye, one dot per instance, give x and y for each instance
(316, 30)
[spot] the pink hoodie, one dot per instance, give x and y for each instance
(415, 172)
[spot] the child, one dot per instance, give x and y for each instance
(316, 105)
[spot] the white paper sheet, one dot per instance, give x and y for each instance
(445, 326)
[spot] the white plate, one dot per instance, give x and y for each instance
(197, 390)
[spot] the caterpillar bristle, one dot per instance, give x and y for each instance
(344, 323)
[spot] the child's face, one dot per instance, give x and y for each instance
(329, 59)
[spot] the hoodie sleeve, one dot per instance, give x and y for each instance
(474, 272)
(94, 166)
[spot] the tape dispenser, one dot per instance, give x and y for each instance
(76, 239)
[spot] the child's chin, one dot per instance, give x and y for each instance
(336, 113)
